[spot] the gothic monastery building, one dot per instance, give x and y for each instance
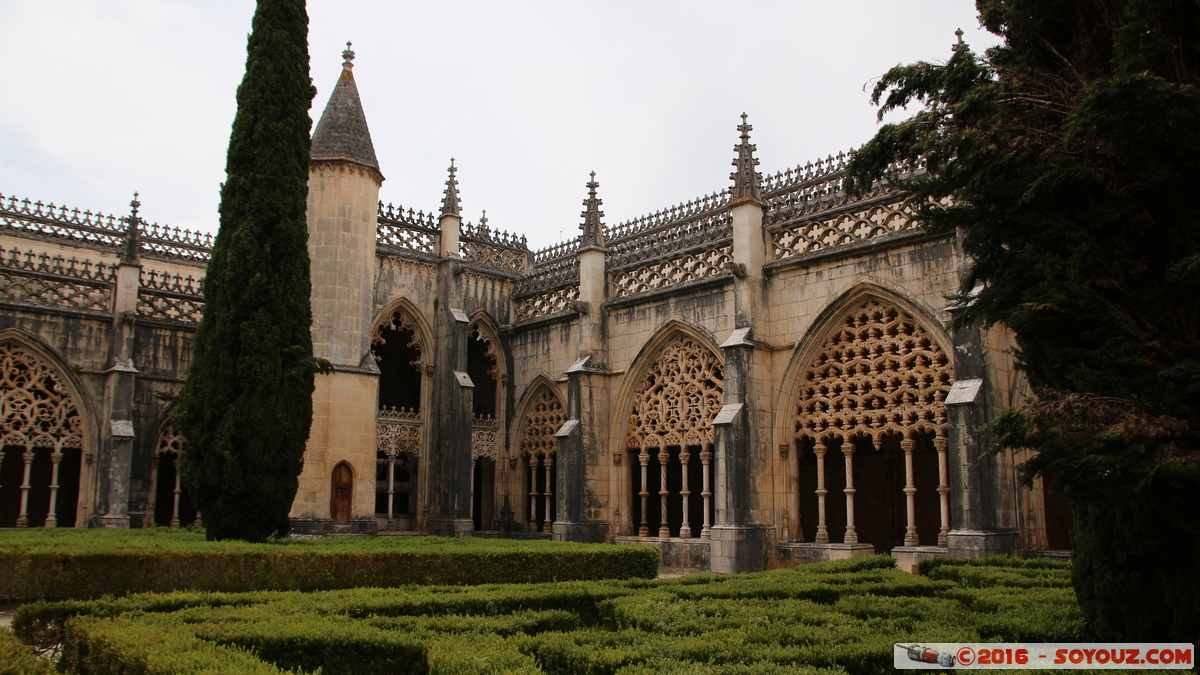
(758, 377)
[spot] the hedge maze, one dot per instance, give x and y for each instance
(827, 618)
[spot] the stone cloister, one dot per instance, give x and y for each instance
(757, 377)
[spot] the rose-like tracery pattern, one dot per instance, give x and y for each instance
(35, 408)
(677, 401)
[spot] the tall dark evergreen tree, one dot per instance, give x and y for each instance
(1072, 155)
(246, 406)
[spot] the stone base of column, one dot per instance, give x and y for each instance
(592, 533)
(111, 522)
(739, 549)
(806, 552)
(982, 543)
(908, 558)
(450, 527)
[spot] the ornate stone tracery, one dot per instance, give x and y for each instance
(678, 399)
(399, 321)
(880, 372)
(35, 408)
(543, 419)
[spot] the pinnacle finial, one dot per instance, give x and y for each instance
(959, 44)
(747, 182)
(450, 204)
(483, 221)
(593, 228)
(348, 57)
(132, 231)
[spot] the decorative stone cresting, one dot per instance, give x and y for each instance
(43, 280)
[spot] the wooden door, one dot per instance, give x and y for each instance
(341, 494)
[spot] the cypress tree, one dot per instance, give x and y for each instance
(246, 406)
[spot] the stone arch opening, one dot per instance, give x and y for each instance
(670, 440)
(543, 418)
(870, 423)
(172, 506)
(483, 367)
(397, 460)
(397, 345)
(41, 443)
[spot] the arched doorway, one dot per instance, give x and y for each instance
(670, 440)
(341, 494)
(41, 443)
(870, 432)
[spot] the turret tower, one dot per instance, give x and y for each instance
(337, 486)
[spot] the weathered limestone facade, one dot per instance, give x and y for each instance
(759, 377)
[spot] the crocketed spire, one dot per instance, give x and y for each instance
(747, 183)
(450, 196)
(593, 229)
(342, 133)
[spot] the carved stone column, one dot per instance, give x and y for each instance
(23, 514)
(52, 515)
(685, 530)
(851, 533)
(910, 494)
(819, 450)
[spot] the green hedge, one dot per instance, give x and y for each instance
(82, 566)
(828, 618)
(16, 658)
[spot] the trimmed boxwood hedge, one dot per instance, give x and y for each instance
(93, 563)
(16, 658)
(828, 618)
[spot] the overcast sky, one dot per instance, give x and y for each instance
(99, 98)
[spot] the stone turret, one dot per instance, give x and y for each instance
(343, 203)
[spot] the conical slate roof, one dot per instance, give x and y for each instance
(342, 133)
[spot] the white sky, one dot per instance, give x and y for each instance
(99, 98)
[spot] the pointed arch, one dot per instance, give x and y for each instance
(668, 404)
(867, 386)
(169, 504)
(539, 415)
(401, 348)
(919, 315)
(45, 434)
(486, 365)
